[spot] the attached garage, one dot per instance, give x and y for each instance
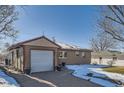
(39, 55)
(41, 60)
(42, 54)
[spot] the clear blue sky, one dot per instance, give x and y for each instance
(68, 24)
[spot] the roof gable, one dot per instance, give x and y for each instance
(39, 41)
(43, 41)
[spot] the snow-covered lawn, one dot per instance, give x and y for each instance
(81, 71)
(7, 81)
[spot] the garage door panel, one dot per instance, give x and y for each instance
(41, 60)
(43, 69)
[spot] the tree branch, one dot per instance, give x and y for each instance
(119, 10)
(117, 16)
(5, 26)
(114, 20)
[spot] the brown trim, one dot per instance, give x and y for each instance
(40, 47)
(13, 47)
(12, 52)
(43, 49)
(23, 58)
(54, 60)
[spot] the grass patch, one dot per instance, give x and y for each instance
(119, 70)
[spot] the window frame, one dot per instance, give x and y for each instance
(77, 53)
(17, 53)
(62, 54)
(83, 54)
(115, 58)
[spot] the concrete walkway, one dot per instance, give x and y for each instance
(51, 79)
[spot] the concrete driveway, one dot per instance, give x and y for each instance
(51, 79)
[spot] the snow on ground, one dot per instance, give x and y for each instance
(81, 71)
(7, 81)
(114, 76)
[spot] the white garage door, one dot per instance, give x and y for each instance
(41, 60)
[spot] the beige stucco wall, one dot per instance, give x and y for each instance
(73, 59)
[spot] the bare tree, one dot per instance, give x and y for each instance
(8, 15)
(102, 42)
(4, 47)
(112, 21)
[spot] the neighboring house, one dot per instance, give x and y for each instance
(42, 54)
(108, 58)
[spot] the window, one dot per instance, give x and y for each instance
(83, 54)
(114, 58)
(21, 51)
(65, 54)
(17, 53)
(12, 57)
(62, 54)
(100, 58)
(77, 53)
